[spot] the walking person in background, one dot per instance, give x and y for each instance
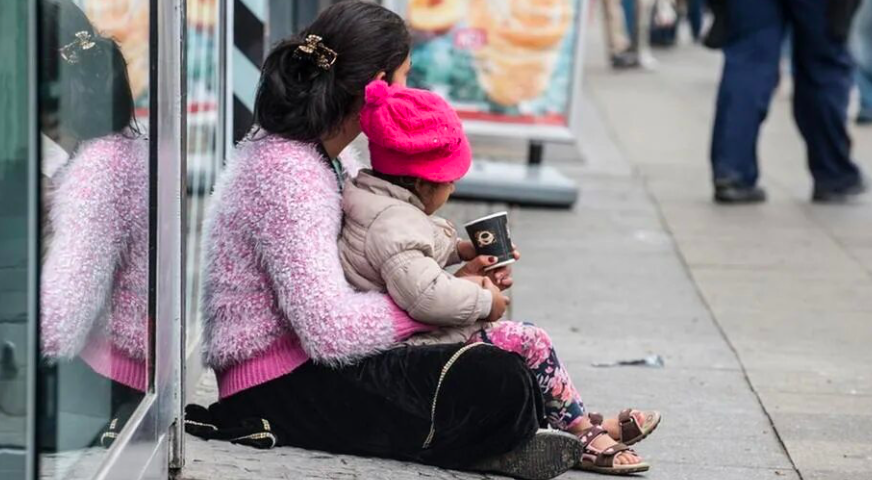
(663, 25)
(620, 48)
(822, 75)
(641, 17)
(861, 46)
(694, 11)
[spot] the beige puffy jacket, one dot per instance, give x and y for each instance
(389, 244)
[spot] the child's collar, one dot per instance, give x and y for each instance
(367, 181)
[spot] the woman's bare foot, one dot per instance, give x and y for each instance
(603, 442)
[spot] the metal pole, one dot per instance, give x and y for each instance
(534, 153)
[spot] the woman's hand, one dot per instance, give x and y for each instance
(501, 277)
(476, 279)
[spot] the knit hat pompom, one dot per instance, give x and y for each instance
(414, 133)
(377, 92)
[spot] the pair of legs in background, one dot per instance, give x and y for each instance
(627, 40)
(822, 78)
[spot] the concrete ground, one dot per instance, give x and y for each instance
(763, 314)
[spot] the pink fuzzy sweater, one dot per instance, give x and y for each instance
(94, 283)
(275, 294)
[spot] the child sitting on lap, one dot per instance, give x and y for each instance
(391, 242)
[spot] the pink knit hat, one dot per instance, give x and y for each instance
(414, 133)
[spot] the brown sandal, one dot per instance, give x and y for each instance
(603, 461)
(633, 433)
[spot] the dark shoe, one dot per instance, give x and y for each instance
(625, 60)
(548, 454)
(864, 117)
(119, 420)
(252, 432)
(731, 193)
(838, 195)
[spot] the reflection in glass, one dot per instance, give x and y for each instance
(204, 158)
(94, 278)
(16, 238)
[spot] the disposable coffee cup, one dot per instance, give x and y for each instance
(490, 236)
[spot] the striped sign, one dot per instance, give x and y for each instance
(249, 19)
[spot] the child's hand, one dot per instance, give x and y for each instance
(476, 279)
(466, 250)
(500, 301)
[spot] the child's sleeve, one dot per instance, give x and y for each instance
(400, 246)
(453, 255)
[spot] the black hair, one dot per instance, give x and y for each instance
(301, 101)
(85, 92)
(409, 183)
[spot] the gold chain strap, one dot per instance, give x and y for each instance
(198, 424)
(445, 369)
(260, 435)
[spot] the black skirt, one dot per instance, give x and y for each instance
(488, 404)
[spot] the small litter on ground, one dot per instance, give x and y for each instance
(652, 361)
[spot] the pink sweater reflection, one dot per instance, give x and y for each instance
(94, 283)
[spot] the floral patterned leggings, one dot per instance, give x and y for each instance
(563, 404)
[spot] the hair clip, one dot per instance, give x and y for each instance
(83, 41)
(317, 52)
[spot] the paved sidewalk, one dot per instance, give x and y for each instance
(788, 282)
(761, 313)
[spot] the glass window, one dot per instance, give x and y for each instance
(94, 279)
(204, 143)
(17, 235)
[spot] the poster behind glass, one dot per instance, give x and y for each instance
(505, 61)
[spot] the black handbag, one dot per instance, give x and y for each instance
(840, 13)
(716, 37)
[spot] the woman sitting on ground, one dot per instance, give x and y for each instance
(301, 357)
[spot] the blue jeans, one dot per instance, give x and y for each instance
(861, 47)
(630, 17)
(695, 14)
(695, 10)
(822, 75)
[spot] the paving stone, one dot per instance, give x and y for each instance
(849, 457)
(775, 290)
(694, 471)
(780, 379)
(809, 474)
